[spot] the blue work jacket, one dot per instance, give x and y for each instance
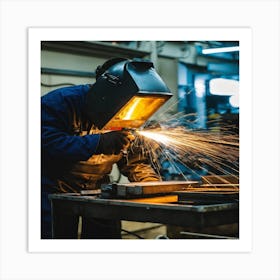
(69, 142)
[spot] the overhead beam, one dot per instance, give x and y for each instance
(98, 49)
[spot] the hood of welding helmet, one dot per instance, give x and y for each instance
(120, 83)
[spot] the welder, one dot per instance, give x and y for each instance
(85, 130)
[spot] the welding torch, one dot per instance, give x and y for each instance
(131, 137)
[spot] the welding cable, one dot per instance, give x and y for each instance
(132, 233)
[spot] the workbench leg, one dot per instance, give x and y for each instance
(64, 226)
(93, 228)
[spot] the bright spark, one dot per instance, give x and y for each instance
(156, 136)
(200, 152)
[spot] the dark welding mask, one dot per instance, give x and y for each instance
(125, 95)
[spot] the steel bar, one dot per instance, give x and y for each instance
(206, 235)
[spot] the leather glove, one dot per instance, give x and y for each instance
(113, 142)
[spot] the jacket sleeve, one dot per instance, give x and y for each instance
(137, 167)
(57, 139)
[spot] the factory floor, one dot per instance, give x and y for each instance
(158, 231)
(139, 230)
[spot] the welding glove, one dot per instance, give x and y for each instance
(113, 142)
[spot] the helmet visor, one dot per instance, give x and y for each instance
(137, 111)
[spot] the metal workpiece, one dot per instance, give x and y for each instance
(142, 189)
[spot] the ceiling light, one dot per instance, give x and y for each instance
(221, 50)
(234, 100)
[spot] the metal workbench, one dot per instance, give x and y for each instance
(200, 216)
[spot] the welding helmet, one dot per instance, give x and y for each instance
(126, 93)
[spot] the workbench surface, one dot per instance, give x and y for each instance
(124, 209)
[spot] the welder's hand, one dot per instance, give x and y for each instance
(113, 142)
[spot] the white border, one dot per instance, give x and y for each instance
(262, 16)
(36, 35)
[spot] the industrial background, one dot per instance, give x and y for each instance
(202, 75)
